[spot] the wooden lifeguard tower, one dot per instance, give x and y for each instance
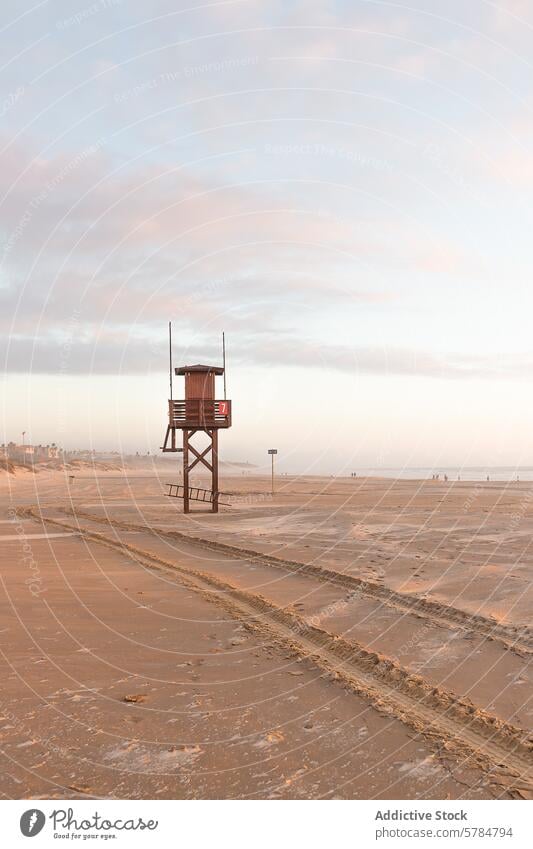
(198, 412)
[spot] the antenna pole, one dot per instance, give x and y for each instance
(224, 360)
(170, 355)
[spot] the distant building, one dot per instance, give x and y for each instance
(18, 453)
(46, 452)
(29, 453)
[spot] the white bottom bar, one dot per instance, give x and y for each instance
(270, 824)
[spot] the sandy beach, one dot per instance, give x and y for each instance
(344, 638)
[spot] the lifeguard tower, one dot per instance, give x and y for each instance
(198, 412)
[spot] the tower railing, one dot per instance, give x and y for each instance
(199, 413)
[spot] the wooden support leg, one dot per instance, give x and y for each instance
(200, 457)
(214, 465)
(186, 471)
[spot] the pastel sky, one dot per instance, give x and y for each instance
(343, 187)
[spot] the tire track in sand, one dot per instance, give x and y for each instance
(517, 639)
(475, 736)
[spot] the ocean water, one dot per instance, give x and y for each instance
(465, 473)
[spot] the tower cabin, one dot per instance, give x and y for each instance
(199, 411)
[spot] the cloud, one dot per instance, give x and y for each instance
(154, 190)
(119, 252)
(130, 353)
(359, 360)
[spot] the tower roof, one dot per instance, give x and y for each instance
(199, 368)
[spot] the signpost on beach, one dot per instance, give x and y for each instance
(272, 452)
